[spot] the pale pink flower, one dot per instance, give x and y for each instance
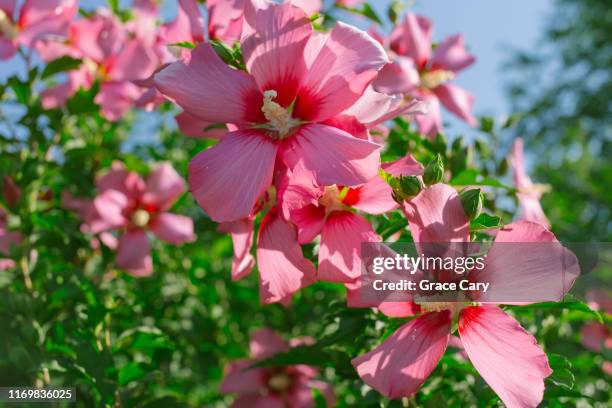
(349, 3)
(133, 207)
(328, 211)
(296, 82)
(528, 193)
(425, 74)
(507, 356)
(283, 387)
(7, 239)
(35, 20)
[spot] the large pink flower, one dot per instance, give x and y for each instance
(426, 74)
(329, 211)
(528, 193)
(296, 82)
(506, 355)
(270, 387)
(36, 20)
(132, 206)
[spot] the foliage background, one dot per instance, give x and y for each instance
(71, 319)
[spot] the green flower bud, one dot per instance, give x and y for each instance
(405, 187)
(472, 201)
(434, 172)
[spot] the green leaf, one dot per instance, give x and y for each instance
(61, 64)
(470, 177)
(485, 221)
(369, 12)
(183, 44)
(131, 372)
(563, 305)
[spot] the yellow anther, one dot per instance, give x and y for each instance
(8, 30)
(433, 79)
(278, 117)
(140, 218)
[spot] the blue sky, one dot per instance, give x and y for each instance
(491, 28)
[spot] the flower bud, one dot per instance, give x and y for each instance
(472, 201)
(434, 172)
(405, 187)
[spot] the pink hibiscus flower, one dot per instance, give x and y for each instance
(329, 211)
(36, 19)
(108, 50)
(283, 270)
(133, 207)
(7, 239)
(296, 82)
(494, 341)
(426, 75)
(270, 387)
(528, 194)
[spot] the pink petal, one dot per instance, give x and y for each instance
(399, 366)
(346, 64)
(258, 401)
(430, 124)
(134, 253)
(120, 179)
(163, 187)
(265, 343)
(109, 207)
(228, 178)
(596, 337)
(375, 196)
(207, 88)
(531, 209)
(242, 379)
(332, 155)
(399, 309)
(122, 66)
(7, 49)
(283, 270)
(309, 221)
(517, 162)
(42, 18)
(173, 228)
(350, 125)
(310, 7)
(372, 106)
(436, 215)
(192, 126)
(8, 6)
(6, 264)
(273, 43)
(242, 239)
(526, 263)
(297, 189)
(117, 98)
(98, 37)
(340, 250)
(457, 101)
(507, 357)
(225, 19)
(399, 76)
(451, 55)
(413, 39)
(187, 26)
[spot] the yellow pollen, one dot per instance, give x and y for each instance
(279, 382)
(331, 199)
(278, 117)
(7, 29)
(140, 218)
(433, 79)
